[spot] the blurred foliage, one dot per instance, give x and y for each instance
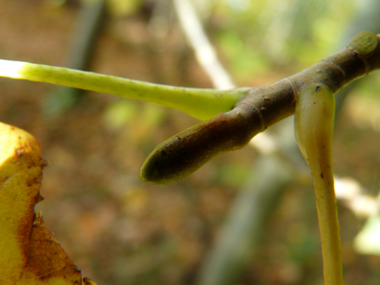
(255, 35)
(231, 175)
(367, 241)
(122, 7)
(280, 31)
(118, 113)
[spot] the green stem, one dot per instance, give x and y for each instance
(199, 103)
(328, 222)
(314, 128)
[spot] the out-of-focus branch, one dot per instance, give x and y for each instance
(86, 30)
(204, 51)
(244, 227)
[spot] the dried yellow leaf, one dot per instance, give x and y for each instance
(29, 252)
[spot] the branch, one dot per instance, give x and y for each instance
(262, 107)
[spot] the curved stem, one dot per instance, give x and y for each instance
(314, 125)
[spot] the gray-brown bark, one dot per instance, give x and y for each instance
(260, 108)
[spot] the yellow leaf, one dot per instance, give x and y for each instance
(29, 252)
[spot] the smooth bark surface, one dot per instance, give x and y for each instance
(260, 108)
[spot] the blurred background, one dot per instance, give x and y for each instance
(246, 217)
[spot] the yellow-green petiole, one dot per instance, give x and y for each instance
(314, 126)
